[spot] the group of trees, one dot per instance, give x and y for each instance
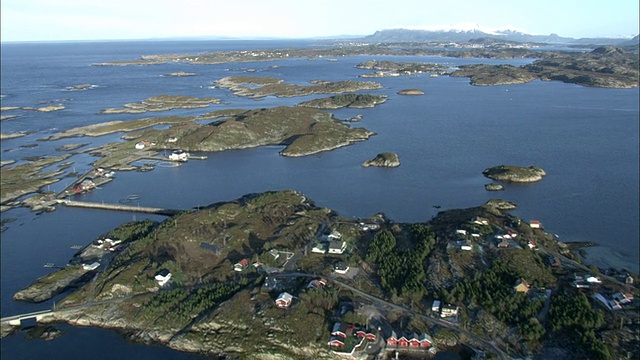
(179, 305)
(402, 273)
(493, 291)
(574, 315)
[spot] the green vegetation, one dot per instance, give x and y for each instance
(493, 291)
(402, 273)
(574, 315)
(178, 307)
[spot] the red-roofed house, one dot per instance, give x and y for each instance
(284, 300)
(535, 224)
(336, 342)
(240, 265)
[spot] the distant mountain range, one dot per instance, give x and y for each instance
(469, 35)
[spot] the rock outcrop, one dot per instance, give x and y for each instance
(386, 159)
(516, 174)
(493, 187)
(411, 92)
(53, 284)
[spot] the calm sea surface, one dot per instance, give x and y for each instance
(585, 138)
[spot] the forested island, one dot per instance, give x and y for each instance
(206, 280)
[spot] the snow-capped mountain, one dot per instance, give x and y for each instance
(470, 31)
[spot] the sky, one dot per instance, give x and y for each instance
(68, 20)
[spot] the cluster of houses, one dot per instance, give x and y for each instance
(107, 244)
(614, 301)
(413, 340)
(341, 331)
(332, 244)
(585, 281)
(86, 185)
(179, 155)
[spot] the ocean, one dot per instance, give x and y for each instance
(586, 139)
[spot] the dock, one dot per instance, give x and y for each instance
(119, 207)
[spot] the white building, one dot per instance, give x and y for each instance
(337, 247)
(163, 277)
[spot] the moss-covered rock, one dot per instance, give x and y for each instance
(385, 159)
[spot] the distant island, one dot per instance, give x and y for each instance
(300, 281)
(515, 174)
(605, 66)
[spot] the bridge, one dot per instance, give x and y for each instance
(16, 320)
(119, 207)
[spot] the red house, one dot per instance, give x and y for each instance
(336, 342)
(339, 330)
(284, 300)
(413, 341)
(367, 334)
(425, 341)
(393, 339)
(403, 341)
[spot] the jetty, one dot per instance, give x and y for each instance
(119, 207)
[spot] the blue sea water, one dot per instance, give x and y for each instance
(585, 138)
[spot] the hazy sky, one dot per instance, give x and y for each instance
(43, 20)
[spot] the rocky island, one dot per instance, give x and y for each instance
(411, 92)
(357, 101)
(385, 159)
(515, 174)
(163, 103)
(205, 281)
(258, 87)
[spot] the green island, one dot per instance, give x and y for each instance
(515, 174)
(162, 103)
(258, 87)
(207, 280)
(358, 101)
(605, 66)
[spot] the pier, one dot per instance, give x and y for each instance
(119, 207)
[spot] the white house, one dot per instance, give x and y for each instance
(480, 221)
(435, 307)
(593, 279)
(140, 146)
(461, 232)
(163, 277)
(319, 249)
(341, 268)
(179, 155)
(535, 224)
(449, 310)
(334, 236)
(92, 266)
(337, 247)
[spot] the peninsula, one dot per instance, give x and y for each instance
(206, 280)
